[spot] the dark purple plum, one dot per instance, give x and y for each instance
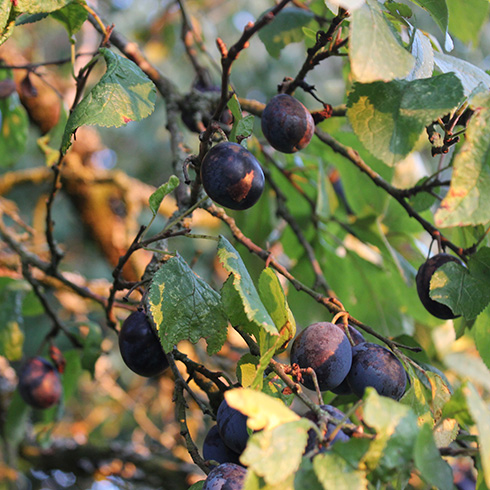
(357, 338)
(312, 435)
(39, 383)
(424, 275)
(376, 366)
(326, 349)
(286, 123)
(140, 347)
(232, 426)
(232, 176)
(226, 476)
(214, 448)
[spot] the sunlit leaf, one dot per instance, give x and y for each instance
(184, 307)
(122, 95)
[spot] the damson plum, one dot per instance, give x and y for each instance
(39, 383)
(140, 348)
(331, 426)
(326, 349)
(357, 338)
(376, 366)
(226, 476)
(286, 123)
(214, 448)
(424, 275)
(232, 426)
(231, 176)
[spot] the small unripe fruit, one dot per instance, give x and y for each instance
(232, 176)
(286, 123)
(140, 348)
(39, 383)
(424, 275)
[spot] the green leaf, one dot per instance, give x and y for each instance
(246, 369)
(17, 418)
(276, 454)
(164, 190)
(72, 373)
(335, 473)
(433, 469)
(438, 10)
(466, 19)
(481, 333)
(374, 51)
(481, 415)
(72, 16)
(423, 53)
(465, 290)
(40, 6)
(14, 125)
(286, 28)
(457, 408)
(245, 126)
(274, 300)
(470, 75)
(184, 307)
(197, 486)
(7, 20)
(396, 431)
(389, 117)
(11, 341)
(467, 201)
(122, 95)
(240, 298)
(30, 18)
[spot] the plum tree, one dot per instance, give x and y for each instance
(232, 426)
(423, 278)
(325, 348)
(39, 383)
(286, 123)
(231, 176)
(226, 476)
(376, 366)
(330, 427)
(139, 346)
(214, 448)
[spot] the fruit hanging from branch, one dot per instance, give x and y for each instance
(287, 125)
(232, 176)
(423, 278)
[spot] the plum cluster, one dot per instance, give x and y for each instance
(345, 367)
